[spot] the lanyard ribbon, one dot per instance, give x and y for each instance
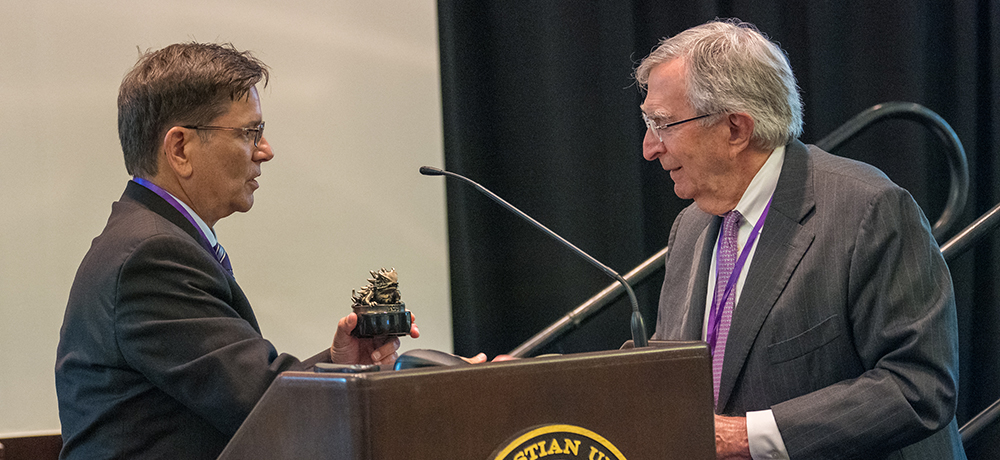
(715, 315)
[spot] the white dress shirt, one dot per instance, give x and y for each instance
(762, 430)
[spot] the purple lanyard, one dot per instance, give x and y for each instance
(180, 208)
(715, 315)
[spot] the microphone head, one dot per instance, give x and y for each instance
(430, 171)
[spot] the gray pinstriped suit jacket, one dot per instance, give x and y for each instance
(846, 325)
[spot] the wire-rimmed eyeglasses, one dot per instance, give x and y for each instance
(258, 132)
(656, 129)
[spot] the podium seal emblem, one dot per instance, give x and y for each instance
(557, 442)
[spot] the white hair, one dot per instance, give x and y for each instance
(732, 67)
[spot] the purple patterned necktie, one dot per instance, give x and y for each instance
(726, 262)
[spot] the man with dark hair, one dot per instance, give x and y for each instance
(160, 355)
(814, 279)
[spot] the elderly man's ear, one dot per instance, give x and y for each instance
(740, 131)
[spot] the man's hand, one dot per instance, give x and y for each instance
(347, 349)
(731, 438)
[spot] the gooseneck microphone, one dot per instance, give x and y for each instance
(638, 326)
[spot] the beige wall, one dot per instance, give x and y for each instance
(352, 110)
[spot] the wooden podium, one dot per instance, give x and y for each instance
(650, 403)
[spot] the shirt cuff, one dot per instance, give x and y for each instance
(763, 436)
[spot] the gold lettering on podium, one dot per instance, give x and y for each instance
(561, 440)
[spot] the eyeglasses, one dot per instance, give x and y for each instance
(258, 132)
(656, 129)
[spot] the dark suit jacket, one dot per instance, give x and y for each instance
(846, 325)
(160, 355)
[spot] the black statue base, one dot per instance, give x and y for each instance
(382, 319)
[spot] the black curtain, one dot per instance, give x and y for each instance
(539, 106)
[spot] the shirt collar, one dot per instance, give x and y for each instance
(205, 229)
(759, 192)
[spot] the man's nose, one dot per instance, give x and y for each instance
(652, 148)
(264, 152)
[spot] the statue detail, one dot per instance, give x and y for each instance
(382, 289)
(379, 308)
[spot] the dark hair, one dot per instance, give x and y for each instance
(186, 83)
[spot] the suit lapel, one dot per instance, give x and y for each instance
(782, 243)
(155, 203)
(682, 298)
(694, 320)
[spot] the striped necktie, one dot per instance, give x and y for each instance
(220, 253)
